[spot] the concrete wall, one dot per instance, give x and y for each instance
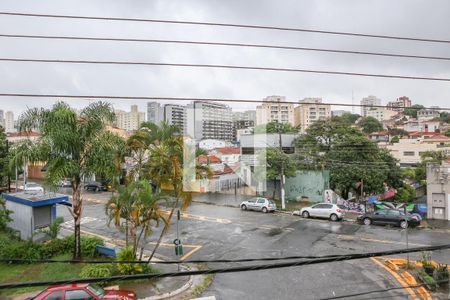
(22, 219)
(438, 191)
(309, 185)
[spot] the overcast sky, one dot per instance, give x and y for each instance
(427, 19)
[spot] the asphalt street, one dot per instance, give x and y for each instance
(211, 232)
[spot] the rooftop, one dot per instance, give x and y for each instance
(35, 199)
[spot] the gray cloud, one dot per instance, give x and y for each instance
(402, 17)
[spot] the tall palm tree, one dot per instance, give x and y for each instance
(23, 153)
(79, 146)
(139, 207)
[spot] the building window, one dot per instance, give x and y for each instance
(408, 153)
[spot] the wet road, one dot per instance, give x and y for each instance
(213, 232)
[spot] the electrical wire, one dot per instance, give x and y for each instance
(20, 261)
(277, 265)
(216, 24)
(214, 66)
(89, 97)
(191, 42)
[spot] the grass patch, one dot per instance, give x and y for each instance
(36, 272)
(207, 281)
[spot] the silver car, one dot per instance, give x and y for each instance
(258, 203)
(330, 211)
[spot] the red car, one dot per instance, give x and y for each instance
(82, 291)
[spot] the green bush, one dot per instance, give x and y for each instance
(21, 250)
(88, 244)
(55, 227)
(57, 247)
(10, 247)
(441, 274)
(97, 270)
(428, 280)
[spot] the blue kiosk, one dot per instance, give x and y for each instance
(32, 210)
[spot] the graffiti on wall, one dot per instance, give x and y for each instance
(308, 184)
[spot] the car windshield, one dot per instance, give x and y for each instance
(33, 185)
(271, 202)
(97, 290)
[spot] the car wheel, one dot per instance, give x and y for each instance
(334, 217)
(305, 214)
(404, 224)
(264, 210)
(244, 207)
(367, 221)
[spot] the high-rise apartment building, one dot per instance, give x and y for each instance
(399, 104)
(175, 115)
(273, 109)
(367, 102)
(209, 120)
(155, 112)
(2, 118)
(9, 122)
(309, 111)
(129, 120)
(248, 115)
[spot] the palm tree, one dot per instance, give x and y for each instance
(166, 169)
(139, 207)
(78, 147)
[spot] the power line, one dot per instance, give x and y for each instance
(231, 25)
(228, 270)
(214, 66)
(190, 42)
(24, 261)
(141, 97)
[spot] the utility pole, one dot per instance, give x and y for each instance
(283, 203)
(406, 234)
(362, 195)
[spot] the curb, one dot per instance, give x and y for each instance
(178, 291)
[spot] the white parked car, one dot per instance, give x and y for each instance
(32, 186)
(259, 203)
(330, 211)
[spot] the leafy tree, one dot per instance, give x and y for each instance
(405, 194)
(447, 133)
(397, 131)
(5, 217)
(76, 147)
(444, 117)
(4, 158)
(370, 124)
(412, 111)
(277, 160)
(349, 156)
(395, 139)
(138, 205)
(25, 152)
(347, 118)
(408, 173)
(275, 127)
(428, 157)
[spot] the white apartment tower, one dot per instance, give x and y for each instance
(9, 122)
(273, 109)
(175, 115)
(155, 113)
(209, 120)
(309, 111)
(367, 102)
(130, 120)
